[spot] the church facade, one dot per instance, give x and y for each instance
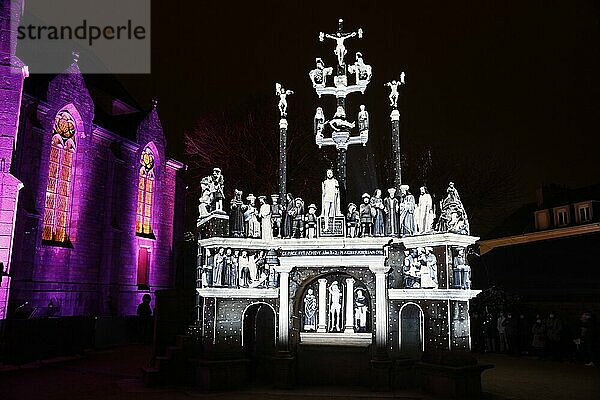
(89, 217)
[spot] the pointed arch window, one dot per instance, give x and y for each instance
(60, 174)
(143, 225)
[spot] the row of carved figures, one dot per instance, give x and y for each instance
(237, 268)
(420, 269)
(240, 268)
(394, 215)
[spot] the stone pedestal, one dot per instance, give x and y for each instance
(284, 371)
(221, 375)
(381, 375)
(463, 382)
(215, 225)
(403, 374)
(337, 230)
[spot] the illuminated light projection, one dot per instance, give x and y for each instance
(145, 193)
(377, 285)
(60, 171)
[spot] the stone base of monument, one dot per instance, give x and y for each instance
(333, 365)
(216, 224)
(381, 378)
(403, 374)
(450, 374)
(284, 370)
(222, 374)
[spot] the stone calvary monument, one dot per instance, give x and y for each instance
(375, 294)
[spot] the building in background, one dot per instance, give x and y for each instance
(547, 252)
(98, 211)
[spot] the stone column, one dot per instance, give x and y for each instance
(322, 323)
(381, 311)
(283, 335)
(283, 125)
(349, 328)
(395, 117)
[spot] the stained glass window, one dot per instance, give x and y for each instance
(143, 224)
(60, 172)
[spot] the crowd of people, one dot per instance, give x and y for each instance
(544, 336)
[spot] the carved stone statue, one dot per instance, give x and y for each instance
(218, 267)
(319, 122)
(261, 262)
(335, 308)
(339, 123)
(310, 311)
(282, 93)
(253, 269)
(234, 272)
(236, 214)
(227, 267)
(352, 221)
(363, 120)
(298, 218)
(288, 217)
(330, 199)
(424, 214)
(362, 71)
(428, 263)
(244, 265)
(265, 218)
(377, 205)
(217, 189)
(318, 76)
(339, 37)
(453, 217)
(407, 212)
(311, 222)
(393, 85)
(276, 215)
(462, 271)
(391, 206)
(361, 307)
(251, 218)
(366, 215)
(411, 269)
(205, 200)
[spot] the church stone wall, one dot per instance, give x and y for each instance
(96, 273)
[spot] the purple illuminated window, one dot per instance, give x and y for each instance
(143, 224)
(60, 172)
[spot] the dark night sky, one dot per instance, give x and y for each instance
(501, 90)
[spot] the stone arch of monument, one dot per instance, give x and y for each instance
(321, 303)
(255, 307)
(411, 329)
